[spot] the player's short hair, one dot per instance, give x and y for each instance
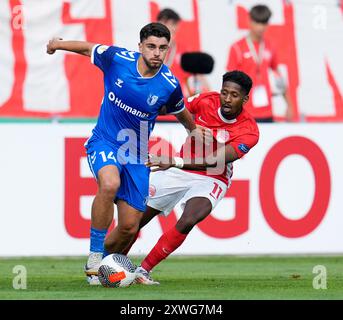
(260, 14)
(168, 14)
(155, 29)
(240, 78)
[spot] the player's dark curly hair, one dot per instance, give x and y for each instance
(154, 29)
(240, 78)
(260, 13)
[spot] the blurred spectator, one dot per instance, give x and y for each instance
(190, 83)
(254, 55)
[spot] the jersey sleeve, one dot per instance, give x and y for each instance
(102, 56)
(242, 144)
(192, 103)
(175, 103)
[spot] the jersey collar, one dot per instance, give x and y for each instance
(225, 120)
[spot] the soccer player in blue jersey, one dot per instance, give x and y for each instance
(137, 87)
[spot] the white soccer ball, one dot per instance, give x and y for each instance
(116, 270)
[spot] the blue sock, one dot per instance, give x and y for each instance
(97, 240)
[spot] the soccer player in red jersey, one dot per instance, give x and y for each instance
(201, 175)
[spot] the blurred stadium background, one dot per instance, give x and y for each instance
(285, 197)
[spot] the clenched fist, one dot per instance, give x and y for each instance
(52, 45)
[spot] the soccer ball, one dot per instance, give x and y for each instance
(116, 270)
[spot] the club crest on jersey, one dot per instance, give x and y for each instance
(101, 49)
(222, 136)
(152, 190)
(152, 100)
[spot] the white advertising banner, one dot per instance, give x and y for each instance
(284, 199)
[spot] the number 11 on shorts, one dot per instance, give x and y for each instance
(217, 191)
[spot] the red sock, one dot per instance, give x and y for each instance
(167, 244)
(127, 249)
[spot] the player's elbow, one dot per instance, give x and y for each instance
(87, 52)
(87, 49)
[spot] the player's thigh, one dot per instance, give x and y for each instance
(102, 161)
(134, 188)
(109, 178)
(195, 210)
(166, 189)
(203, 196)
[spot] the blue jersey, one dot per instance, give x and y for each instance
(131, 102)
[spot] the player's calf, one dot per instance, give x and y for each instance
(120, 237)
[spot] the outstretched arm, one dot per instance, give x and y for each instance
(80, 47)
(219, 158)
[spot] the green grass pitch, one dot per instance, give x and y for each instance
(191, 278)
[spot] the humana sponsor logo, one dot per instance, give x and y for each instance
(125, 107)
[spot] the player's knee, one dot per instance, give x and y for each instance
(188, 221)
(109, 187)
(186, 224)
(128, 230)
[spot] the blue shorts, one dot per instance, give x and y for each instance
(134, 178)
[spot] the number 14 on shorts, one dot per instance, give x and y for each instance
(110, 156)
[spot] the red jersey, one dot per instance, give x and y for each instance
(241, 133)
(242, 58)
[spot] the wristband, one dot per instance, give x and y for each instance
(179, 162)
